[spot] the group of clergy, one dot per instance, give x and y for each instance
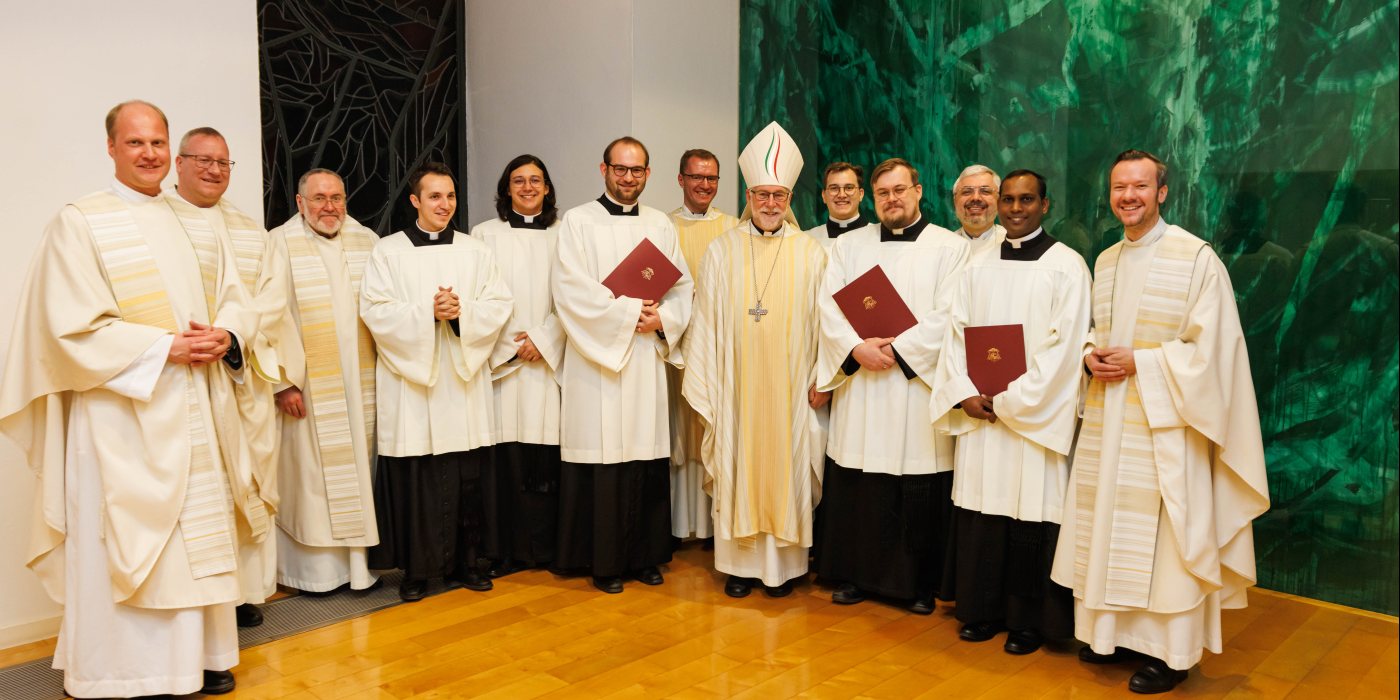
(213, 409)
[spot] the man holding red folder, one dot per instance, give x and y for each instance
(1024, 304)
(615, 436)
(888, 474)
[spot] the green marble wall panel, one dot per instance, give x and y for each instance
(1279, 120)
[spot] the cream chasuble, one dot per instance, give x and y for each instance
(748, 383)
(613, 379)
(433, 388)
(526, 393)
(1169, 469)
(690, 504)
(1018, 466)
(880, 421)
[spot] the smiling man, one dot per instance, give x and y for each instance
(842, 195)
(975, 204)
(327, 391)
(888, 474)
(1012, 464)
(434, 301)
(697, 223)
(1168, 472)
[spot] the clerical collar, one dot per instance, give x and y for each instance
(754, 229)
(1158, 230)
(991, 230)
(618, 209)
(685, 213)
(908, 233)
(127, 194)
(836, 227)
(1029, 247)
(419, 237)
(518, 220)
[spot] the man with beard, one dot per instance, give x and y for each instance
(615, 444)
(842, 195)
(975, 204)
(751, 353)
(697, 224)
(1012, 464)
(888, 474)
(326, 398)
(1168, 471)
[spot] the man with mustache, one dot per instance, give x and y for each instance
(1011, 467)
(1168, 472)
(888, 474)
(615, 436)
(842, 195)
(325, 401)
(751, 351)
(697, 223)
(975, 196)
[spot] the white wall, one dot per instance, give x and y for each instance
(66, 63)
(561, 79)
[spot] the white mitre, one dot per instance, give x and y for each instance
(771, 158)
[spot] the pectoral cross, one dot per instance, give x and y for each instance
(758, 312)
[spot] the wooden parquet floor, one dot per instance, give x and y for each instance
(540, 636)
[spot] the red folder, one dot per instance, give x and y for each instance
(996, 356)
(873, 306)
(646, 273)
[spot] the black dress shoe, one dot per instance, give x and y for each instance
(1119, 655)
(1020, 642)
(650, 575)
(217, 682)
(608, 584)
(781, 590)
(922, 606)
(738, 586)
(847, 594)
(412, 591)
(1155, 677)
(979, 631)
(248, 615)
(471, 581)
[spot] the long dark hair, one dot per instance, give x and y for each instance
(550, 213)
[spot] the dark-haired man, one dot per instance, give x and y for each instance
(1012, 463)
(1168, 471)
(615, 441)
(434, 300)
(842, 195)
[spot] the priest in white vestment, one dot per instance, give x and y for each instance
(975, 204)
(203, 171)
(1168, 472)
(520, 483)
(842, 195)
(434, 301)
(751, 353)
(697, 222)
(615, 440)
(886, 493)
(1012, 466)
(107, 389)
(325, 401)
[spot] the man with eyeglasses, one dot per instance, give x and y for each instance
(975, 205)
(842, 195)
(615, 439)
(204, 171)
(888, 474)
(325, 399)
(750, 355)
(118, 386)
(697, 223)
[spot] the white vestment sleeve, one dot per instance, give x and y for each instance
(676, 304)
(483, 314)
(548, 338)
(919, 345)
(951, 384)
(138, 380)
(405, 332)
(837, 336)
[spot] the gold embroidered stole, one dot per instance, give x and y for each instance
(1137, 498)
(141, 298)
(331, 414)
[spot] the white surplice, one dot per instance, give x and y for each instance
(989, 239)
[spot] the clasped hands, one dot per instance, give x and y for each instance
(446, 305)
(875, 354)
(1111, 364)
(200, 345)
(650, 319)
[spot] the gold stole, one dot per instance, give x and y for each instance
(141, 298)
(1137, 498)
(331, 414)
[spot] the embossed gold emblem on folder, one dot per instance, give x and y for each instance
(996, 356)
(873, 306)
(648, 273)
(869, 303)
(993, 355)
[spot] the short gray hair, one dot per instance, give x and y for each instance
(301, 181)
(978, 169)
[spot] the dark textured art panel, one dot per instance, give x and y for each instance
(1279, 120)
(370, 89)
